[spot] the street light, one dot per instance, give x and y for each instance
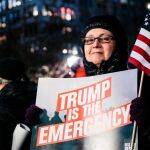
(148, 6)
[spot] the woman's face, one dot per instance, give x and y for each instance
(99, 45)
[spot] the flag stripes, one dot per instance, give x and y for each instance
(140, 55)
(140, 51)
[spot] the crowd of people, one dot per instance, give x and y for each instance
(104, 47)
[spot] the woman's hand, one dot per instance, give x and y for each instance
(136, 110)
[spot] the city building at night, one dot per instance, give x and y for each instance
(48, 30)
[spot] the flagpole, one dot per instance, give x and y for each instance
(133, 144)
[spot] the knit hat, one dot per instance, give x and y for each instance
(110, 23)
(11, 69)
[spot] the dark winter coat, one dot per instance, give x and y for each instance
(144, 127)
(15, 98)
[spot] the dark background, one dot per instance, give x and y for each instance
(37, 31)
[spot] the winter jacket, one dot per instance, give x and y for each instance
(15, 98)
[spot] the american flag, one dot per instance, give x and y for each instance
(140, 55)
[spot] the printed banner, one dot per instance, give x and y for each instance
(89, 113)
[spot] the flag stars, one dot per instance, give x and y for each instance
(146, 18)
(146, 23)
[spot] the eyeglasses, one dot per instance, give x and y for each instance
(91, 40)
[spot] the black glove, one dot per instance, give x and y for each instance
(137, 110)
(32, 115)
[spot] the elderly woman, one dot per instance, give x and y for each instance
(104, 45)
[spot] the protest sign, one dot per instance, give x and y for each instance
(86, 113)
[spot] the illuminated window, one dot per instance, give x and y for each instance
(10, 4)
(11, 16)
(35, 11)
(14, 3)
(0, 7)
(44, 11)
(18, 3)
(123, 1)
(3, 18)
(3, 5)
(67, 13)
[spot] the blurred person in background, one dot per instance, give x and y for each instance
(74, 68)
(17, 93)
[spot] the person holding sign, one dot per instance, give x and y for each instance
(104, 47)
